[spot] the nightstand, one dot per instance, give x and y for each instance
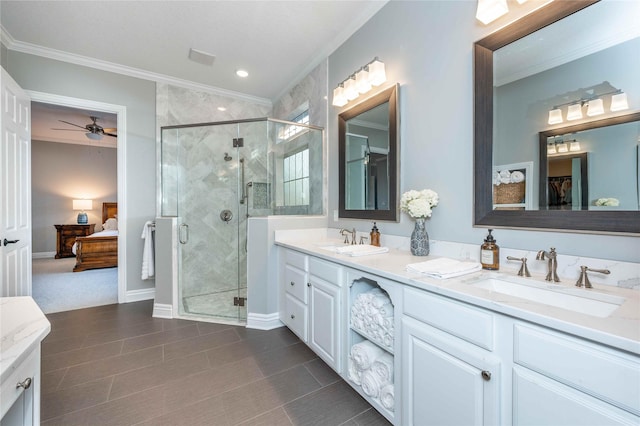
(67, 236)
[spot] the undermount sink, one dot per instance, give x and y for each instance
(574, 299)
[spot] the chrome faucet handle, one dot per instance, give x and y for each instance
(524, 270)
(362, 238)
(345, 234)
(353, 236)
(583, 280)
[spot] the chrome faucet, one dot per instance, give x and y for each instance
(584, 279)
(346, 232)
(552, 256)
(524, 271)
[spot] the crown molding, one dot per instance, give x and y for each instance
(58, 55)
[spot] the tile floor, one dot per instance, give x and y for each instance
(116, 365)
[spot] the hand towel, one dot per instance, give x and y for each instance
(383, 367)
(387, 398)
(444, 267)
(148, 266)
(371, 384)
(364, 354)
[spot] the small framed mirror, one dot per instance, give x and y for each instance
(368, 143)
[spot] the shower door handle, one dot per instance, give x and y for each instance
(183, 227)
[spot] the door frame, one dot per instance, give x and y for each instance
(121, 112)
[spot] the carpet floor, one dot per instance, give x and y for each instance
(57, 288)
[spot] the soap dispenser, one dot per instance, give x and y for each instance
(375, 236)
(490, 253)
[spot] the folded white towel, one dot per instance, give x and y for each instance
(371, 384)
(354, 374)
(383, 367)
(444, 267)
(364, 354)
(387, 398)
(148, 266)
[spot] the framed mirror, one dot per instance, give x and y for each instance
(491, 133)
(368, 143)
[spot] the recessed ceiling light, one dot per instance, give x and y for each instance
(242, 73)
(222, 109)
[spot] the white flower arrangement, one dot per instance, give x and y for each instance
(419, 204)
(613, 202)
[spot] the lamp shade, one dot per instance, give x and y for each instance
(350, 91)
(619, 102)
(82, 204)
(563, 147)
(93, 136)
(339, 99)
(596, 107)
(551, 149)
(555, 116)
(377, 74)
(574, 112)
(574, 146)
(362, 81)
(490, 10)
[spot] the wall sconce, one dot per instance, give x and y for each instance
(595, 106)
(359, 83)
(82, 205)
(560, 146)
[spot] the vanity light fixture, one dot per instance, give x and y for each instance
(359, 83)
(574, 146)
(562, 148)
(551, 148)
(490, 10)
(595, 106)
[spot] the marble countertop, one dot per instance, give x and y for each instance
(620, 330)
(22, 328)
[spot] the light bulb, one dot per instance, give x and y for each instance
(362, 81)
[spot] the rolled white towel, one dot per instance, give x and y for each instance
(387, 340)
(386, 310)
(388, 324)
(354, 374)
(364, 354)
(387, 398)
(383, 367)
(371, 384)
(380, 299)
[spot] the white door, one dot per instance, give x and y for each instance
(15, 189)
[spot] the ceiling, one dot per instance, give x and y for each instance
(277, 42)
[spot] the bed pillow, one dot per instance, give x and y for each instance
(111, 224)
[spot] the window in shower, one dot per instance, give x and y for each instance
(296, 178)
(290, 131)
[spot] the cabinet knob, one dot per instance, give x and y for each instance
(308, 284)
(292, 283)
(26, 384)
(486, 375)
(293, 316)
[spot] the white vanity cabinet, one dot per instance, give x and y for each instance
(312, 301)
(449, 374)
(561, 379)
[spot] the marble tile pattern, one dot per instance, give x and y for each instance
(22, 328)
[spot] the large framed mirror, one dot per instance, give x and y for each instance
(503, 137)
(368, 143)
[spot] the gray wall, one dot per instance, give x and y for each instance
(427, 48)
(62, 172)
(138, 96)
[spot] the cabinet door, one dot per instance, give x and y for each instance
(324, 321)
(445, 380)
(539, 400)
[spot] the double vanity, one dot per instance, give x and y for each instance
(488, 347)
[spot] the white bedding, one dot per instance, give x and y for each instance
(105, 233)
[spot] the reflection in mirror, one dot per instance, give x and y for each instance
(512, 107)
(368, 147)
(585, 164)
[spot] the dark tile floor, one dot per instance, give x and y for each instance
(116, 365)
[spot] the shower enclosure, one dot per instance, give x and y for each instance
(214, 176)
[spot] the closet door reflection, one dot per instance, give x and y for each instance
(567, 183)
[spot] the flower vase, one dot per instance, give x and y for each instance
(420, 239)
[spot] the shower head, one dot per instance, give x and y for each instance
(227, 157)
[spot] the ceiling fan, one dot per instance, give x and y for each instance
(93, 130)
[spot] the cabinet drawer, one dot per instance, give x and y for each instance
(329, 272)
(607, 374)
(296, 259)
(295, 317)
(295, 283)
(471, 324)
(9, 393)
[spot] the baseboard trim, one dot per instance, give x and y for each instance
(43, 255)
(162, 310)
(264, 321)
(141, 294)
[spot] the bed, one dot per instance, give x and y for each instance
(99, 250)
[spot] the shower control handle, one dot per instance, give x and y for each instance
(183, 233)
(226, 215)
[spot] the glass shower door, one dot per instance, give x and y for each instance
(210, 219)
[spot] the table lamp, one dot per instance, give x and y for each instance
(82, 205)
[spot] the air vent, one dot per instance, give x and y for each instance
(201, 57)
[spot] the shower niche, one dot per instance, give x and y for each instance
(214, 177)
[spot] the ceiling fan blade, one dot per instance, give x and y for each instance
(110, 134)
(72, 130)
(110, 129)
(66, 122)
